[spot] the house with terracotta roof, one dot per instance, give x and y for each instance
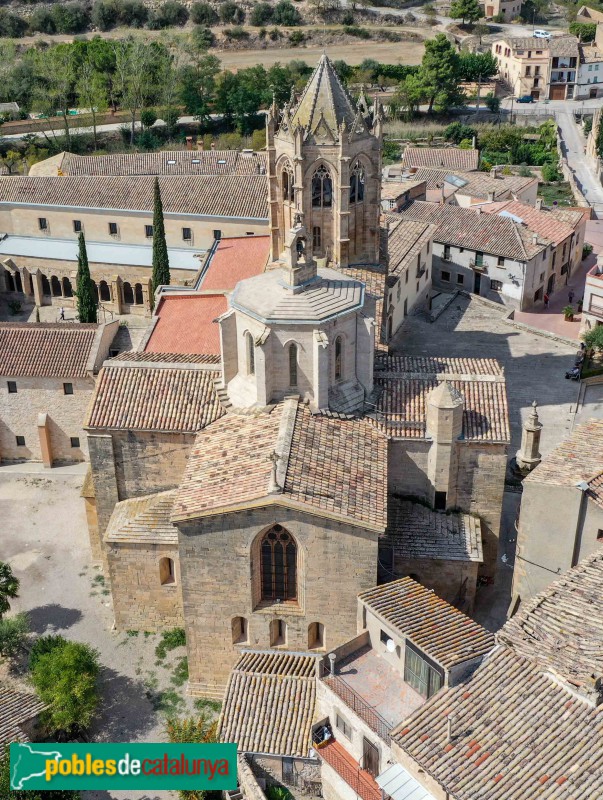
(542, 68)
(561, 515)
(47, 378)
(450, 158)
(20, 716)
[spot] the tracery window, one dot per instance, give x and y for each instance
(288, 191)
(278, 565)
(322, 188)
(357, 181)
(292, 365)
(250, 345)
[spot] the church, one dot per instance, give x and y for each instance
(250, 492)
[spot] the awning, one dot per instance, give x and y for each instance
(400, 785)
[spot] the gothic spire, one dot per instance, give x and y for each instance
(325, 97)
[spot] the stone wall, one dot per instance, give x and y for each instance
(407, 467)
(453, 581)
(65, 416)
(334, 562)
(140, 601)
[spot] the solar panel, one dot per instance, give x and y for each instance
(456, 181)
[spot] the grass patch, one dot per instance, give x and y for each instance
(99, 579)
(203, 704)
(170, 640)
(131, 634)
(169, 702)
(180, 673)
(559, 193)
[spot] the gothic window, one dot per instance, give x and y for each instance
(250, 348)
(167, 574)
(292, 365)
(278, 565)
(322, 188)
(338, 358)
(288, 192)
(316, 238)
(357, 181)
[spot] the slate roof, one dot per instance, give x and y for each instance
(158, 397)
(416, 531)
(443, 632)
(186, 162)
(405, 240)
(187, 324)
(451, 158)
(517, 734)
(144, 520)
(234, 260)
(324, 97)
(577, 458)
(242, 196)
(269, 703)
(46, 350)
(466, 227)
(543, 222)
(402, 384)
(562, 627)
(18, 708)
(337, 467)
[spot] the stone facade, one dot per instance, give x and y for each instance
(453, 581)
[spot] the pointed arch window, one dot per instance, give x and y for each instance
(338, 358)
(292, 365)
(322, 188)
(288, 191)
(357, 181)
(250, 348)
(278, 565)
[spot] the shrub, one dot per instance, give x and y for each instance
(524, 172)
(13, 631)
(44, 645)
(231, 13)
(14, 307)
(171, 14)
(170, 640)
(202, 37)
(258, 139)
(586, 250)
(133, 14)
(105, 14)
(492, 103)
(348, 18)
(296, 37)
(356, 30)
(593, 338)
(42, 21)
(236, 33)
(204, 14)
(274, 34)
(456, 132)
(71, 17)
(147, 140)
(550, 173)
(585, 31)
(588, 125)
(285, 13)
(261, 14)
(11, 25)
(148, 117)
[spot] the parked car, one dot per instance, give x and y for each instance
(541, 35)
(525, 98)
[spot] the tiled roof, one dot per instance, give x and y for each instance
(403, 383)
(480, 184)
(596, 489)
(562, 627)
(451, 158)
(168, 162)
(46, 350)
(144, 519)
(165, 398)
(17, 709)
(556, 45)
(466, 227)
(234, 260)
(406, 239)
(542, 222)
(391, 190)
(334, 466)
(269, 703)
(516, 734)
(187, 324)
(242, 196)
(166, 358)
(443, 632)
(577, 458)
(373, 278)
(416, 531)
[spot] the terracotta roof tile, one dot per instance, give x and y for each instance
(186, 324)
(443, 632)
(269, 703)
(45, 349)
(234, 260)
(157, 398)
(451, 158)
(543, 222)
(143, 519)
(406, 239)
(166, 358)
(577, 458)
(17, 708)
(167, 162)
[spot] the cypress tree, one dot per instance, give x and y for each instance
(161, 264)
(84, 291)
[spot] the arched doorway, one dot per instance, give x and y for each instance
(67, 288)
(105, 292)
(128, 294)
(55, 285)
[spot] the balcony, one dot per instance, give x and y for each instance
(358, 779)
(421, 271)
(595, 309)
(478, 265)
(359, 706)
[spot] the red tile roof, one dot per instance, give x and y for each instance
(442, 157)
(45, 350)
(234, 260)
(185, 324)
(543, 222)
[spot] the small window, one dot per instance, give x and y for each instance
(67, 388)
(113, 228)
(316, 636)
(445, 276)
(43, 223)
(292, 365)
(424, 675)
(460, 279)
(77, 225)
(316, 238)
(406, 306)
(75, 442)
(600, 535)
(278, 633)
(20, 441)
(250, 347)
(338, 358)
(167, 574)
(148, 231)
(249, 233)
(343, 725)
(496, 286)
(12, 387)
(187, 234)
(446, 252)
(501, 261)
(440, 501)
(384, 636)
(239, 630)
(217, 235)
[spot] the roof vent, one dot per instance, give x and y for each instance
(171, 161)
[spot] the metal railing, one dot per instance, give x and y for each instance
(596, 310)
(359, 706)
(353, 775)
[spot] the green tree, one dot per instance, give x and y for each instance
(585, 31)
(198, 85)
(54, 93)
(13, 631)
(285, 13)
(133, 67)
(439, 74)
(466, 10)
(9, 587)
(204, 14)
(261, 14)
(84, 291)
(492, 103)
(66, 680)
(409, 95)
(91, 93)
(231, 13)
(161, 262)
(192, 730)
(6, 793)
(593, 338)
(476, 66)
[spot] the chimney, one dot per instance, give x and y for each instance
(449, 729)
(494, 172)
(189, 142)
(534, 238)
(539, 202)
(490, 197)
(478, 210)
(200, 145)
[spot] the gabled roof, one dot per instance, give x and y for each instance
(337, 467)
(443, 632)
(17, 708)
(451, 158)
(577, 458)
(542, 221)
(269, 703)
(405, 240)
(49, 350)
(186, 323)
(324, 98)
(143, 520)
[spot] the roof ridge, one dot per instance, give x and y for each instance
(284, 439)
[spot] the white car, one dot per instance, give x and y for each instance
(541, 35)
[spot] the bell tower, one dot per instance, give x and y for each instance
(324, 173)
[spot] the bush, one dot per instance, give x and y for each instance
(236, 33)
(456, 132)
(42, 21)
(524, 172)
(285, 13)
(11, 25)
(148, 117)
(586, 250)
(204, 14)
(65, 679)
(171, 14)
(44, 645)
(355, 30)
(274, 34)
(133, 14)
(585, 31)
(202, 37)
(348, 18)
(258, 139)
(261, 14)
(13, 631)
(593, 338)
(588, 125)
(492, 103)
(550, 173)
(231, 13)
(71, 17)
(105, 14)
(296, 37)
(14, 307)
(170, 640)
(147, 140)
